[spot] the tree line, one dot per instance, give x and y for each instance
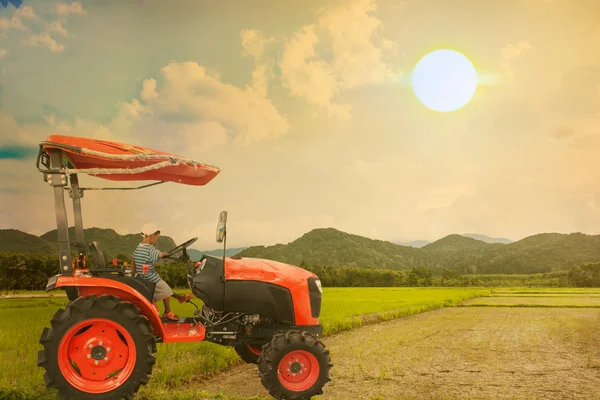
(32, 271)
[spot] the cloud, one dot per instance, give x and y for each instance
(357, 56)
(13, 23)
(514, 50)
(306, 75)
(13, 134)
(27, 12)
(56, 26)
(191, 110)
(44, 40)
(149, 90)
(75, 8)
(190, 93)
(254, 42)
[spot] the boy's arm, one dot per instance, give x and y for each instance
(156, 254)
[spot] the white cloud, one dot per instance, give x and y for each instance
(56, 26)
(149, 90)
(514, 50)
(254, 42)
(192, 110)
(44, 40)
(357, 56)
(306, 75)
(74, 8)
(14, 134)
(191, 93)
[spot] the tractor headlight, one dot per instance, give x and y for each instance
(315, 293)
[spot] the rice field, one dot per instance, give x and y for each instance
(180, 365)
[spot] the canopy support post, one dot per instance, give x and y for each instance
(58, 181)
(76, 193)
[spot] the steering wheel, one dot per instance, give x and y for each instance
(181, 247)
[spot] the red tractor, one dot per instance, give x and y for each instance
(102, 346)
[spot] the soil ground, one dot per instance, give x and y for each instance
(457, 353)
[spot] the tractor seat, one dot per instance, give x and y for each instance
(98, 256)
(103, 269)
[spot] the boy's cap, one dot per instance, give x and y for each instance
(150, 229)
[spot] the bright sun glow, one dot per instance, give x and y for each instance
(444, 80)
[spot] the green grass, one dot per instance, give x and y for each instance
(179, 364)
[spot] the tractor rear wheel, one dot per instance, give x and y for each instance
(250, 353)
(99, 348)
(294, 366)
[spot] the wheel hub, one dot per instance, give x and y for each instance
(295, 367)
(98, 353)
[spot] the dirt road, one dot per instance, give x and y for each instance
(30, 296)
(456, 353)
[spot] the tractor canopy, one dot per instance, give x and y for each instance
(123, 162)
(61, 158)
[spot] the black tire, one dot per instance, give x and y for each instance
(246, 354)
(106, 307)
(285, 344)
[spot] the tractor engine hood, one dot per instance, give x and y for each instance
(258, 269)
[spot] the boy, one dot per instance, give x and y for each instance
(147, 254)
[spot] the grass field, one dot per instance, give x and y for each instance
(180, 365)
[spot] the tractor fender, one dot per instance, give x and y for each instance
(91, 285)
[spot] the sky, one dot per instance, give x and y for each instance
(308, 110)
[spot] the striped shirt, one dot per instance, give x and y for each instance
(147, 254)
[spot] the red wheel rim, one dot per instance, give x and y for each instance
(298, 370)
(255, 350)
(96, 355)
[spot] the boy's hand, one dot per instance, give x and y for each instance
(163, 254)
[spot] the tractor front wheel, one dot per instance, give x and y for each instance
(99, 348)
(250, 353)
(295, 366)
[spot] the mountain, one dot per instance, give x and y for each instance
(329, 246)
(487, 239)
(414, 243)
(534, 254)
(112, 243)
(455, 243)
(323, 247)
(14, 241)
(197, 254)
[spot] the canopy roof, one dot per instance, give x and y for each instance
(123, 162)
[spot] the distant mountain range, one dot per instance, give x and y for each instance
(197, 254)
(468, 253)
(534, 254)
(483, 238)
(112, 243)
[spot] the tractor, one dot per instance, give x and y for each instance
(102, 345)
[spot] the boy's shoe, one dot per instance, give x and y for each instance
(171, 315)
(186, 298)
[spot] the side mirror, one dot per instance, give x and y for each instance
(222, 227)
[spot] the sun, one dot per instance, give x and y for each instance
(444, 80)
